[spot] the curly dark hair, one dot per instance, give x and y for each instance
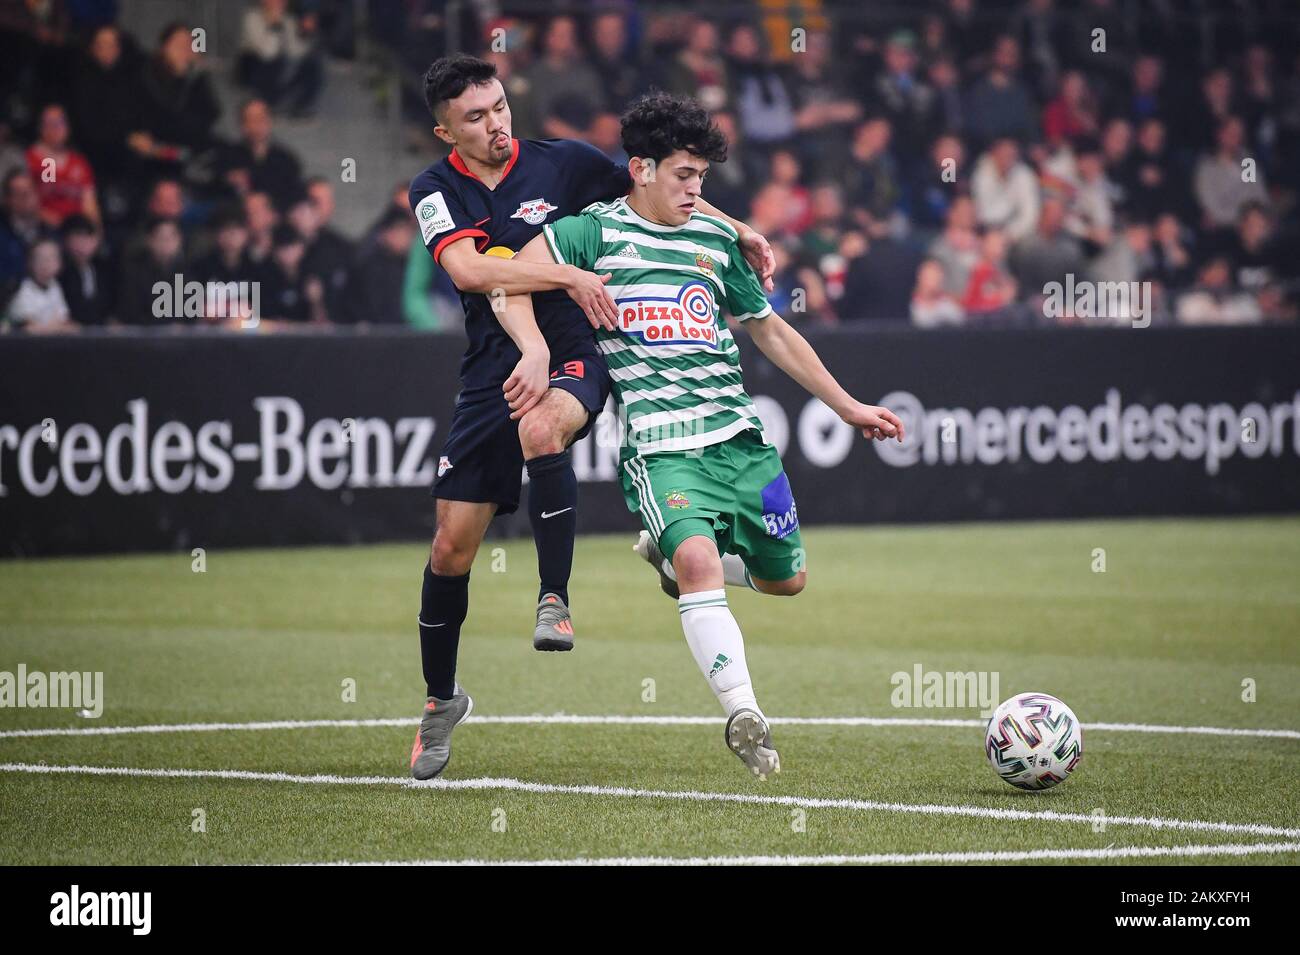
(659, 124)
(448, 77)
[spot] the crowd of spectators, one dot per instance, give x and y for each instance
(943, 166)
(113, 179)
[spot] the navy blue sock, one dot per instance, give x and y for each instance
(553, 510)
(444, 602)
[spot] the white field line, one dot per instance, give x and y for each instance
(803, 802)
(885, 858)
(580, 720)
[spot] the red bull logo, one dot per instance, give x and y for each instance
(534, 211)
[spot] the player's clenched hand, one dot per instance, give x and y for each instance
(527, 383)
(759, 255)
(588, 290)
(874, 422)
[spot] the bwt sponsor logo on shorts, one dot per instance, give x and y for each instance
(82, 691)
(1110, 431)
(780, 513)
(74, 907)
(138, 456)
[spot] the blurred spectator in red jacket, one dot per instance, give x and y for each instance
(65, 183)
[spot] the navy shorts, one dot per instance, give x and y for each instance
(481, 460)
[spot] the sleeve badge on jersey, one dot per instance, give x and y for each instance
(432, 214)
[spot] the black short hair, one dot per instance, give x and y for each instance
(448, 77)
(153, 223)
(18, 172)
(172, 27)
(285, 235)
(1087, 146)
(395, 217)
(227, 216)
(659, 124)
(77, 224)
(1251, 207)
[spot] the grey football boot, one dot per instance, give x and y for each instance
(646, 548)
(554, 629)
(432, 749)
(750, 738)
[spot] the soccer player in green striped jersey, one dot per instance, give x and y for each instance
(695, 463)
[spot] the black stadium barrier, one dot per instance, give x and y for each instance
(118, 443)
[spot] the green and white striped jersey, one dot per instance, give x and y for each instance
(674, 363)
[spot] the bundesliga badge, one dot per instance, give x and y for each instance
(534, 211)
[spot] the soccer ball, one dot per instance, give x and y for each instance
(1034, 741)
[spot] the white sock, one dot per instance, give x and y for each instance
(734, 571)
(718, 647)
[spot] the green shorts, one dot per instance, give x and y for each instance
(736, 489)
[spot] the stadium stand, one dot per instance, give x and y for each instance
(936, 163)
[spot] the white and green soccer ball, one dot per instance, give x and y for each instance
(1034, 741)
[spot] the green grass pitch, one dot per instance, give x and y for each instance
(1185, 612)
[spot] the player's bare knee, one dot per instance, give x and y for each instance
(697, 564)
(540, 434)
(449, 557)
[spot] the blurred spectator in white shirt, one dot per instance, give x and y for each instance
(1213, 301)
(932, 305)
(957, 248)
(1221, 182)
(39, 305)
(1091, 215)
(1005, 190)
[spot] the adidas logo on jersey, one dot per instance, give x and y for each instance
(629, 251)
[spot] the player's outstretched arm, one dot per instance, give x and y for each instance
(473, 272)
(790, 352)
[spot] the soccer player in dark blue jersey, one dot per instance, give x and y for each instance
(475, 210)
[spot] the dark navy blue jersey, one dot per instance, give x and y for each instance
(545, 180)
